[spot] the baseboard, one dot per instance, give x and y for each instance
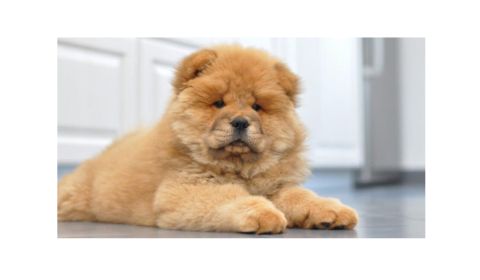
(413, 176)
(390, 178)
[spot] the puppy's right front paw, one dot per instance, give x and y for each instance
(257, 214)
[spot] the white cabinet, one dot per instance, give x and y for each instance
(97, 81)
(109, 86)
(158, 60)
(331, 102)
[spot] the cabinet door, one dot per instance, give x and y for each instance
(331, 102)
(96, 95)
(158, 60)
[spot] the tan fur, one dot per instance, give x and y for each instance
(185, 173)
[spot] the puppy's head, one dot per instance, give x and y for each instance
(235, 104)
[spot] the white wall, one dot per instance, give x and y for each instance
(412, 100)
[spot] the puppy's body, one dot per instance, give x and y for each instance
(226, 156)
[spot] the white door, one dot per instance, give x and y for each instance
(158, 59)
(331, 102)
(96, 94)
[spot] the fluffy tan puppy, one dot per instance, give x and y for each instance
(226, 156)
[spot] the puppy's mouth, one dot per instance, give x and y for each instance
(222, 144)
(238, 147)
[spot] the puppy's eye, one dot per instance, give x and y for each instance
(256, 107)
(219, 104)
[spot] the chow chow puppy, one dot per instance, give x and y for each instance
(226, 156)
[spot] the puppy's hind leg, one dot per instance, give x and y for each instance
(73, 196)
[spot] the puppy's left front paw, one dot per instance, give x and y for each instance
(326, 213)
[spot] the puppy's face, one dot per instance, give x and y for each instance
(235, 104)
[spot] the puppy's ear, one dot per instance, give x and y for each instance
(191, 67)
(288, 81)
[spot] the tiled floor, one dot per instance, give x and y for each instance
(396, 211)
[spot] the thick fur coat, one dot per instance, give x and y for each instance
(226, 156)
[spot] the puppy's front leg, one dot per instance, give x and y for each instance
(212, 207)
(303, 208)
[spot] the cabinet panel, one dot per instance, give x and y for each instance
(96, 102)
(330, 70)
(158, 60)
(89, 85)
(162, 87)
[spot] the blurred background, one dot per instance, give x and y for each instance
(363, 103)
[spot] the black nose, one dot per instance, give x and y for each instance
(240, 123)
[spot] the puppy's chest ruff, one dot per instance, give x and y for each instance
(255, 186)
